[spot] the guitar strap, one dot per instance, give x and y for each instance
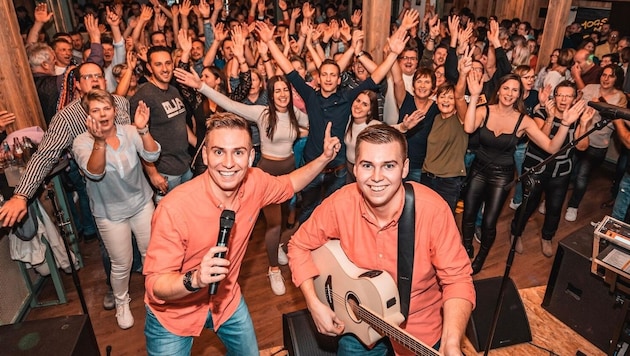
(406, 247)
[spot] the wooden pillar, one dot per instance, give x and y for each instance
(17, 89)
(555, 26)
(376, 20)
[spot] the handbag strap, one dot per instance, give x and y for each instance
(406, 247)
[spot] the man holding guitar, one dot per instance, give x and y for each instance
(364, 216)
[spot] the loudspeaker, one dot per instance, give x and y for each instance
(301, 337)
(63, 336)
(577, 297)
(512, 327)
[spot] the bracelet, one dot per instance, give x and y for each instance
(561, 123)
(359, 55)
(431, 39)
(143, 131)
(205, 18)
(20, 196)
(97, 147)
(266, 60)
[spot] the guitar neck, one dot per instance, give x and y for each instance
(395, 333)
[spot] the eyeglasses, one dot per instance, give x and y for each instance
(439, 74)
(413, 59)
(564, 96)
(92, 76)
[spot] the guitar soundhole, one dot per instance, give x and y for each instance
(354, 310)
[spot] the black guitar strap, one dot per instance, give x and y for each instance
(406, 247)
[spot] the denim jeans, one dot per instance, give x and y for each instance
(236, 334)
(174, 181)
(349, 345)
(519, 158)
(586, 163)
(555, 190)
(447, 188)
(623, 199)
(320, 188)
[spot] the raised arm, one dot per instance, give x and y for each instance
(554, 144)
(145, 16)
(220, 34)
(42, 16)
(464, 66)
(396, 43)
(266, 35)
(474, 115)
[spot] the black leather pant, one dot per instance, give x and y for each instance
(485, 186)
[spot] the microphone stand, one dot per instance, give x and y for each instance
(529, 181)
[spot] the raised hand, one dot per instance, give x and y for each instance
(453, 25)
(493, 34)
(204, 8)
(410, 19)
(160, 18)
(332, 145)
(573, 113)
(307, 10)
(189, 79)
(94, 128)
(265, 32)
(295, 13)
(220, 32)
(410, 121)
(185, 8)
(587, 116)
(464, 65)
(282, 4)
(185, 42)
(344, 31)
(474, 81)
(358, 37)
(91, 26)
(239, 43)
(41, 13)
(356, 18)
(397, 41)
(113, 20)
(141, 119)
(434, 27)
(132, 60)
(146, 13)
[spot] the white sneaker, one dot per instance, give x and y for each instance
(277, 282)
(123, 315)
(571, 214)
(283, 259)
(541, 208)
(514, 205)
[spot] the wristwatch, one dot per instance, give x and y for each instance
(188, 281)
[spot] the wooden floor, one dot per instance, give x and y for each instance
(530, 269)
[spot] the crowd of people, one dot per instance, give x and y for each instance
(167, 108)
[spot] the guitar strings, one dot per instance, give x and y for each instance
(380, 324)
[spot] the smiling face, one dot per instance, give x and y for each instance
(509, 92)
(161, 66)
(361, 107)
(439, 56)
(379, 171)
(228, 155)
(408, 62)
(446, 103)
(329, 78)
(281, 96)
(422, 87)
(359, 71)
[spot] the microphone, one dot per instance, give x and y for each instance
(610, 111)
(225, 227)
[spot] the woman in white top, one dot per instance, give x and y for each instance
(279, 124)
(120, 196)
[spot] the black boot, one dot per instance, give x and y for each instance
(468, 246)
(477, 264)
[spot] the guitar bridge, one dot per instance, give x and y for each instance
(328, 291)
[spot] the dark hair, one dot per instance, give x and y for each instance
(272, 112)
(518, 104)
(445, 88)
(625, 55)
(156, 49)
(618, 73)
(372, 115)
(331, 62)
(425, 72)
(381, 134)
(155, 33)
(218, 73)
(565, 57)
(614, 57)
(565, 84)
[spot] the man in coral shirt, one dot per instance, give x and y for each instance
(180, 261)
(364, 216)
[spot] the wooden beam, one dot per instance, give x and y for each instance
(555, 27)
(376, 20)
(17, 89)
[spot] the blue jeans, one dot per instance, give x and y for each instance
(519, 158)
(320, 188)
(349, 345)
(622, 201)
(236, 334)
(447, 188)
(174, 181)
